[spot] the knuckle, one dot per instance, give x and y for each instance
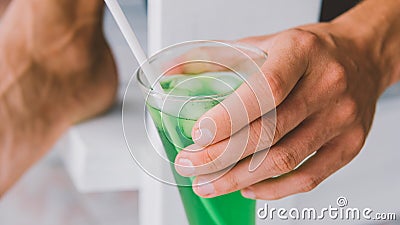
(277, 85)
(268, 126)
(220, 119)
(359, 137)
(231, 182)
(336, 77)
(227, 183)
(210, 160)
(261, 133)
(283, 161)
(350, 112)
(303, 38)
(308, 182)
(279, 130)
(255, 136)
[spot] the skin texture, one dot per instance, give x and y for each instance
(56, 69)
(326, 79)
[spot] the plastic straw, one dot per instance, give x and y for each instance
(133, 42)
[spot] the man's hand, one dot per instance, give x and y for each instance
(326, 80)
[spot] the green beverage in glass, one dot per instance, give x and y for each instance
(184, 98)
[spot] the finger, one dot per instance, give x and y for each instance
(200, 61)
(224, 56)
(259, 135)
(259, 41)
(282, 158)
(309, 175)
(261, 93)
(196, 160)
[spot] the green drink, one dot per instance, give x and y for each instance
(187, 94)
(175, 133)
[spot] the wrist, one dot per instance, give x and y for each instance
(373, 28)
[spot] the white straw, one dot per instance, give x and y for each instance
(133, 42)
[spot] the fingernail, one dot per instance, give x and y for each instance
(184, 167)
(204, 188)
(247, 193)
(203, 136)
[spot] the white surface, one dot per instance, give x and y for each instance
(97, 158)
(46, 196)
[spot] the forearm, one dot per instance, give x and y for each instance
(374, 25)
(53, 59)
(67, 11)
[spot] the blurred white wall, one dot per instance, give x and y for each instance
(172, 21)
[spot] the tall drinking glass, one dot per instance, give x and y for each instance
(195, 76)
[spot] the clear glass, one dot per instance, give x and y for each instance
(175, 114)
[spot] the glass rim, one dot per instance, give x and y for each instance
(236, 45)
